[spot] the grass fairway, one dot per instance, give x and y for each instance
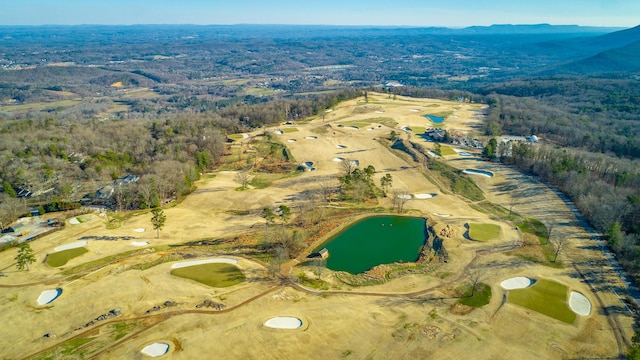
(62, 257)
(213, 274)
(546, 297)
(289, 130)
(481, 297)
(483, 232)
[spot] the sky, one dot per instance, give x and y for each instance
(448, 13)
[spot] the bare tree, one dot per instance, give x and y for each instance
(400, 197)
(348, 165)
(243, 178)
(560, 243)
(550, 225)
(476, 277)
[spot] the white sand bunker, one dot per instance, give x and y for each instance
(245, 136)
(414, 110)
(442, 215)
(379, 112)
(519, 282)
(464, 153)
(155, 349)
(49, 296)
(424, 196)
(205, 261)
(292, 140)
(341, 146)
(405, 196)
(579, 304)
(478, 172)
(140, 230)
(310, 137)
(338, 159)
(278, 132)
(73, 245)
(140, 243)
(283, 322)
(353, 127)
(74, 221)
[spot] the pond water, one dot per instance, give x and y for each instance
(435, 119)
(376, 240)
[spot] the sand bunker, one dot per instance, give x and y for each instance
(292, 140)
(205, 261)
(74, 221)
(406, 128)
(424, 196)
(245, 136)
(379, 112)
(464, 153)
(414, 110)
(355, 163)
(405, 196)
(579, 304)
(140, 243)
(442, 215)
(278, 132)
(352, 127)
(519, 282)
(341, 146)
(310, 137)
(73, 245)
(478, 172)
(283, 322)
(49, 296)
(140, 230)
(338, 159)
(155, 349)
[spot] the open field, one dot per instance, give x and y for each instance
(411, 314)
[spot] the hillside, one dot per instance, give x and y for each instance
(622, 59)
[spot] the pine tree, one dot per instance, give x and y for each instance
(25, 256)
(158, 219)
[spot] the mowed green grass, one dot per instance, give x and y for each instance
(418, 129)
(483, 232)
(446, 150)
(235, 136)
(546, 297)
(60, 258)
(481, 297)
(214, 274)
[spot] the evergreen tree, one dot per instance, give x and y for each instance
(158, 219)
(25, 256)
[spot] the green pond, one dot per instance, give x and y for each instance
(376, 240)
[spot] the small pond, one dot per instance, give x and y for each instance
(376, 240)
(435, 119)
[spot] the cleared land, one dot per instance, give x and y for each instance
(411, 314)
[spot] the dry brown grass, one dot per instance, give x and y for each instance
(361, 326)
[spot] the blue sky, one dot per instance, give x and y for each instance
(451, 13)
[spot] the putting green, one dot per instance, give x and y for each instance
(483, 232)
(546, 297)
(60, 258)
(211, 274)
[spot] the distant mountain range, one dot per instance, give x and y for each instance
(614, 52)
